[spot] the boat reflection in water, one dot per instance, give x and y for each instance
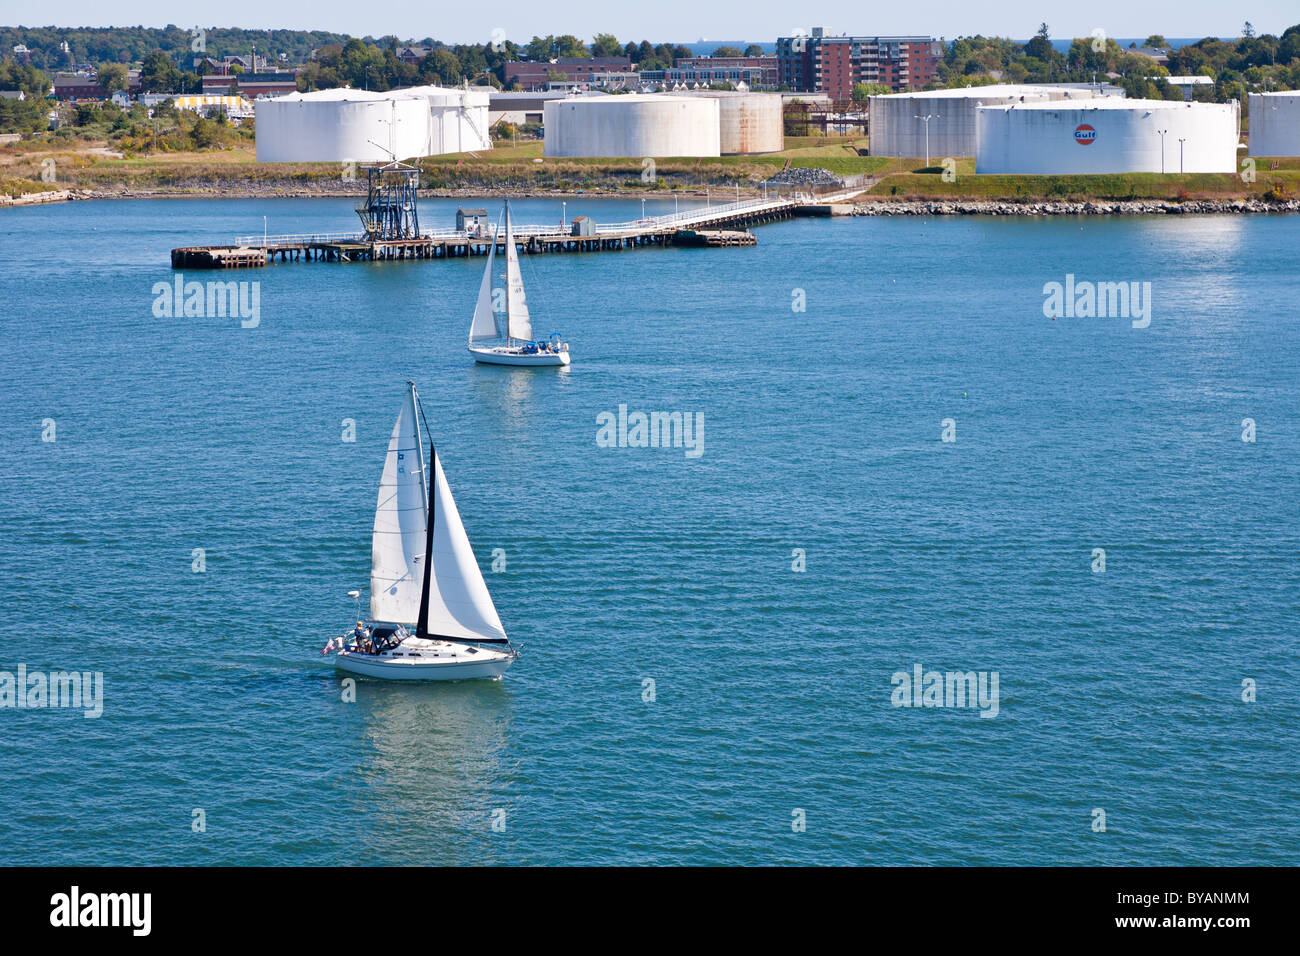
(436, 769)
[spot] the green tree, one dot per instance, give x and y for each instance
(440, 66)
(606, 44)
(112, 77)
(570, 46)
(205, 133)
(753, 50)
(727, 51)
(861, 91)
(540, 49)
(158, 74)
(1040, 46)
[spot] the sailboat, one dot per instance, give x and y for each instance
(432, 617)
(518, 347)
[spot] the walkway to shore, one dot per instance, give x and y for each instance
(254, 251)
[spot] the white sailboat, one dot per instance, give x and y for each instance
(444, 600)
(518, 347)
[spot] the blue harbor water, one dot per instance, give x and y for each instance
(1119, 690)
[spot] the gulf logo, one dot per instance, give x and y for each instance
(1084, 134)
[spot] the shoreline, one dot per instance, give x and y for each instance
(1062, 207)
(860, 206)
(76, 193)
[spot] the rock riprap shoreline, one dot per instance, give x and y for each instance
(1093, 207)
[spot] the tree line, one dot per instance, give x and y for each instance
(1249, 62)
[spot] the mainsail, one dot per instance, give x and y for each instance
(484, 326)
(397, 548)
(520, 323)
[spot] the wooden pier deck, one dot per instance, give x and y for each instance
(713, 226)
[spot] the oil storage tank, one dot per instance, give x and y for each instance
(633, 124)
(747, 122)
(1107, 136)
(1275, 123)
(355, 125)
(457, 119)
(897, 124)
(334, 126)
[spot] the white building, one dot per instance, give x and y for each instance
(1188, 83)
(633, 124)
(1107, 136)
(355, 125)
(1275, 123)
(898, 125)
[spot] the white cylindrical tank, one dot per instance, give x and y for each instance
(1107, 136)
(1275, 123)
(748, 122)
(457, 119)
(359, 126)
(333, 126)
(633, 124)
(897, 126)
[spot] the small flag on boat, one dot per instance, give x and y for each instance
(328, 647)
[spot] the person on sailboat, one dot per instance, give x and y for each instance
(361, 633)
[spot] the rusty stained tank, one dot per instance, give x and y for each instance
(748, 122)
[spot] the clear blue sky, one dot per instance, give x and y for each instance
(673, 20)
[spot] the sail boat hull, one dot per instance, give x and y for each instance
(506, 356)
(433, 661)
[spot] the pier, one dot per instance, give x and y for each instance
(713, 226)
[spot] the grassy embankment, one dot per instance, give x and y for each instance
(513, 168)
(93, 165)
(1270, 183)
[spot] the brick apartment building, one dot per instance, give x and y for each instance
(251, 85)
(833, 64)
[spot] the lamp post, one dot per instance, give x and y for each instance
(1162, 149)
(926, 120)
(643, 207)
(1181, 140)
(563, 215)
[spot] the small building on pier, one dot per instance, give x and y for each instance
(472, 221)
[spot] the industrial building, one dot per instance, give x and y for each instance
(1275, 123)
(520, 108)
(899, 122)
(747, 122)
(1106, 136)
(355, 125)
(756, 72)
(633, 124)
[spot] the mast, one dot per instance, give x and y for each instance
(422, 622)
(419, 443)
(509, 242)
